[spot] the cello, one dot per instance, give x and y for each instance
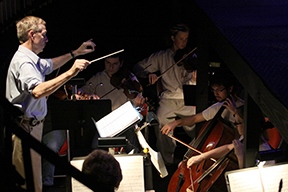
(207, 175)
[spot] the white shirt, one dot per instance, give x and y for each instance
(172, 80)
(211, 111)
(93, 86)
(25, 72)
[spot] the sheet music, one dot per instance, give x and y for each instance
(249, 179)
(116, 121)
(272, 175)
(245, 181)
(133, 173)
(76, 185)
(132, 167)
(156, 157)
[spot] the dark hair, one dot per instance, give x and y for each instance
(179, 27)
(120, 55)
(225, 78)
(104, 169)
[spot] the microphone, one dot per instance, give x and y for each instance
(94, 91)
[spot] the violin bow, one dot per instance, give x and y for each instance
(194, 149)
(184, 56)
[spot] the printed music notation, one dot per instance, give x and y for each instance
(132, 167)
(271, 178)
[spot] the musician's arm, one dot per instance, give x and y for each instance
(214, 153)
(182, 122)
(153, 60)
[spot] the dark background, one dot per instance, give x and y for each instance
(140, 28)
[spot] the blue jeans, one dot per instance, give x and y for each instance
(53, 140)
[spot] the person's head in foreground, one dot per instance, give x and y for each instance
(104, 168)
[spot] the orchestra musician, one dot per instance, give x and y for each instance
(100, 84)
(236, 144)
(171, 101)
(223, 87)
(27, 89)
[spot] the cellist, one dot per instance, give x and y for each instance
(223, 86)
(236, 144)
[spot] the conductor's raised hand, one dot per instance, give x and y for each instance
(86, 47)
(79, 65)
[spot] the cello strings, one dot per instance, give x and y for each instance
(191, 180)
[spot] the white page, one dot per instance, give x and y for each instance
(271, 176)
(118, 120)
(249, 179)
(245, 181)
(133, 173)
(132, 168)
(156, 157)
(76, 185)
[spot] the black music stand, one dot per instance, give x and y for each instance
(76, 116)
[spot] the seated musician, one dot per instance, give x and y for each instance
(99, 86)
(236, 144)
(222, 85)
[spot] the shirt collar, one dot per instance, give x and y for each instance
(29, 53)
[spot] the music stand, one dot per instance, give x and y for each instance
(76, 115)
(75, 82)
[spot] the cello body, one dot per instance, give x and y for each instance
(183, 178)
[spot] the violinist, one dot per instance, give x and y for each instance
(236, 144)
(100, 84)
(171, 101)
(222, 84)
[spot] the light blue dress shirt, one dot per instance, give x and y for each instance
(25, 72)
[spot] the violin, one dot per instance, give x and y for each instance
(176, 63)
(208, 174)
(124, 79)
(189, 62)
